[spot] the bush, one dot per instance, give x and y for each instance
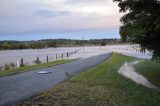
(12, 65)
(6, 67)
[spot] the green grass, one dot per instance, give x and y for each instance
(99, 86)
(149, 69)
(31, 67)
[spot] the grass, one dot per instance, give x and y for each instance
(99, 86)
(149, 69)
(31, 67)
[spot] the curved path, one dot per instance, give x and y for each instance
(21, 86)
(128, 70)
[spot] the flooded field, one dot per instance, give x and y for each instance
(30, 55)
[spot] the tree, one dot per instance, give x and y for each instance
(102, 43)
(141, 24)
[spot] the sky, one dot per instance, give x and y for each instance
(49, 19)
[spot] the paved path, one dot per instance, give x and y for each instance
(128, 70)
(21, 86)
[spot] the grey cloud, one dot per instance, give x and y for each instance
(85, 1)
(31, 16)
(49, 13)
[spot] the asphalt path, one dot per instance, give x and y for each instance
(22, 86)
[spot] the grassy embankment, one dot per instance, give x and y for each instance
(99, 86)
(32, 67)
(149, 69)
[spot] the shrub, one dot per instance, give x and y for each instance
(6, 67)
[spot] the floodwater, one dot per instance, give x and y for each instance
(30, 55)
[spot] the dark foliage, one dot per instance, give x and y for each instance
(5, 45)
(141, 24)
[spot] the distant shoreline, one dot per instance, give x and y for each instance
(54, 43)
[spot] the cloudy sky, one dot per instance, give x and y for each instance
(42, 19)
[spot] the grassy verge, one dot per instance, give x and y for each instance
(32, 67)
(99, 86)
(149, 69)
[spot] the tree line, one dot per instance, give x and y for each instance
(46, 43)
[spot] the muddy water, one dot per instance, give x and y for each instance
(30, 55)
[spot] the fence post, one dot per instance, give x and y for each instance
(56, 57)
(22, 62)
(47, 58)
(37, 60)
(67, 55)
(62, 56)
